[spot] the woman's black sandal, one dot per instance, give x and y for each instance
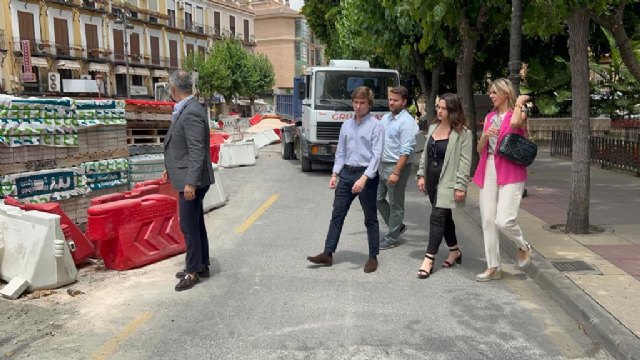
(422, 273)
(458, 260)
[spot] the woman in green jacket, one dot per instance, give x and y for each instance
(444, 173)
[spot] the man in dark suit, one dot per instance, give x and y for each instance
(188, 168)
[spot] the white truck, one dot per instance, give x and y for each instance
(321, 102)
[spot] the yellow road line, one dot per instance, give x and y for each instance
(111, 346)
(261, 210)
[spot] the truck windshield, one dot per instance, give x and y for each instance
(333, 89)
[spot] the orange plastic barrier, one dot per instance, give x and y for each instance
(82, 248)
(135, 232)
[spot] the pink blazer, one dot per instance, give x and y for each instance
(507, 171)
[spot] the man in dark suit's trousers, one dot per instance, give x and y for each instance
(188, 168)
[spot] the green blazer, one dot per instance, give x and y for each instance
(455, 169)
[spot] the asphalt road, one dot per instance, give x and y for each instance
(264, 301)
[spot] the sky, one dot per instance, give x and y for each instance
(297, 4)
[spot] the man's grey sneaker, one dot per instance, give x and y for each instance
(387, 244)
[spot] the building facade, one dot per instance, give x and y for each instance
(72, 47)
(284, 36)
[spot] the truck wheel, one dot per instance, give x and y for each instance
(305, 162)
(287, 150)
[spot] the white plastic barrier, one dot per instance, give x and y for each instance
(237, 154)
(216, 196)
(261, 140)
(34, 249)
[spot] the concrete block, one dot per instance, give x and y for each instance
(216, 196)
(237, 154)
(261, 140)
(35, 249)
(14, 288)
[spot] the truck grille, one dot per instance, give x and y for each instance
(328, 130)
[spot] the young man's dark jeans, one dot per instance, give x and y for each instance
(341, 203)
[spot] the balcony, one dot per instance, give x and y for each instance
(65, 2)
(160, 62)
(60, 50)
(98, 5)
(195, 28)
(37, 47)
(96, 54)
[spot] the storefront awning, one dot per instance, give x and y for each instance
(39, 62)
(160, 73)
(97, 67)
(122, 69)
(139, 71)
(68, 64)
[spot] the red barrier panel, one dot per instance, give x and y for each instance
(137, 192)
(214, 152)
(164, 188)
(218, 137)
(83, 247)
(135, 232)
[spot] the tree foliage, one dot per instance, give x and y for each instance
(228, 69)
(321, 16)
(470, 37)
(261, 76)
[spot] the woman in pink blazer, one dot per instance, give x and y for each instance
(500, 180)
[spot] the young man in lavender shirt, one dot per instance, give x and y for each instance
(355, 175)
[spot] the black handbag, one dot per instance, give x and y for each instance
(518, 149)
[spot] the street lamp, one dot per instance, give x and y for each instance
(123, 18)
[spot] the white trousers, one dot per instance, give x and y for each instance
(499, 205)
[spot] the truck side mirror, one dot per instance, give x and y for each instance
(306, 102)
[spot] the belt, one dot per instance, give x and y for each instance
(350, 168)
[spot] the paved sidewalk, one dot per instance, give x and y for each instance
(605, 298)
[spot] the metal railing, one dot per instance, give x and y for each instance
(607, 151)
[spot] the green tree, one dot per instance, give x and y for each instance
(611, 17)
(321, 15)
(261, 77)
(225, 69)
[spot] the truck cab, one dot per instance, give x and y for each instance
(325, 97)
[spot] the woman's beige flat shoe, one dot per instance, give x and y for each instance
(496, 275)
(524, 256)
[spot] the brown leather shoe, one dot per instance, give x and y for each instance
(371, 265)
(204, 273)
(321, 259)
(187, 282)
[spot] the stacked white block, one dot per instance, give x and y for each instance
(145, 167)
(34, 249)
(216, 196)
(237, 154)
(265, 138)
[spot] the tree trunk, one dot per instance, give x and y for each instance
(464, 80)
(430, 106)
(578, 213)
(615, 25)
(515, 44)
(421, 73)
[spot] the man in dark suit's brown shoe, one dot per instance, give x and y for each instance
(321, 259)
(371, 265)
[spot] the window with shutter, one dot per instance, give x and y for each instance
(62, 36)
